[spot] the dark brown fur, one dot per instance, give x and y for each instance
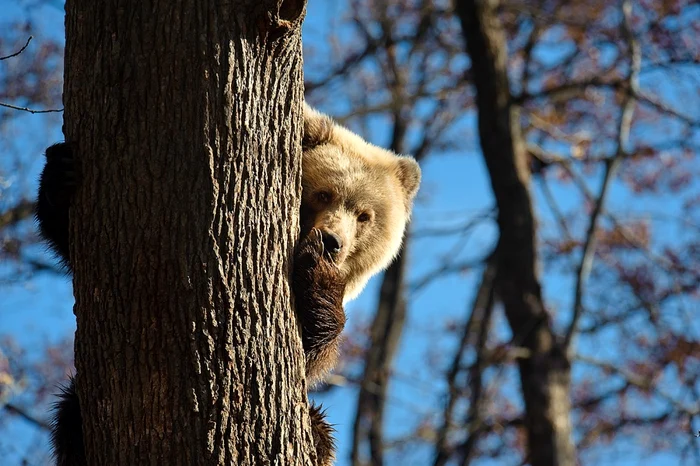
(319, 291)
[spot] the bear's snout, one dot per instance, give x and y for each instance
(332, 243)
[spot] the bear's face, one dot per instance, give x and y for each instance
(359, 195)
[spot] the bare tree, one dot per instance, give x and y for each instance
(544, 368)
(571, 101)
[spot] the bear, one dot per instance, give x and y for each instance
(356, 201)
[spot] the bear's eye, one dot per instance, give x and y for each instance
(363, 217)
(323, 197)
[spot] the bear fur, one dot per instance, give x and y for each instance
(356, 202)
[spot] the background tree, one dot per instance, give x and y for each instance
(615, 236)
(569, 71)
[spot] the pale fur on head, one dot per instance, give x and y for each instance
(361, 177)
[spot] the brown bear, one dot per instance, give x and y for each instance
(356, 201)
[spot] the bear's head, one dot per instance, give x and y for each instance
(358, 195)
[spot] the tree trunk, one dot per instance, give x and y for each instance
(185, 120)
(545, 373)
(385, 335)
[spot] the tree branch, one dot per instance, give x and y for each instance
(16, 410)
(566, 90)
(22, 210)
(611, 168)
(478, 320)
(19, 51)
(29, 110)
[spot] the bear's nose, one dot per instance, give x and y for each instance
(331, 242)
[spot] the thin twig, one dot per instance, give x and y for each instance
(552, 203)
(22, 210)
(445, 269)
(453, 230)
(566, 89)
(637, 94)
(642, 383)
(346, 67)
(19, 51)
(30, 110)
(16, 410)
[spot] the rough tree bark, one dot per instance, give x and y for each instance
(185, 119)
(545, 373)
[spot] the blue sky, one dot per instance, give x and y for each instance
(455, 186)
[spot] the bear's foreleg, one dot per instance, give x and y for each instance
(318, 290)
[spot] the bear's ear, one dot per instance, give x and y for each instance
(409, 174)
(318, 128)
